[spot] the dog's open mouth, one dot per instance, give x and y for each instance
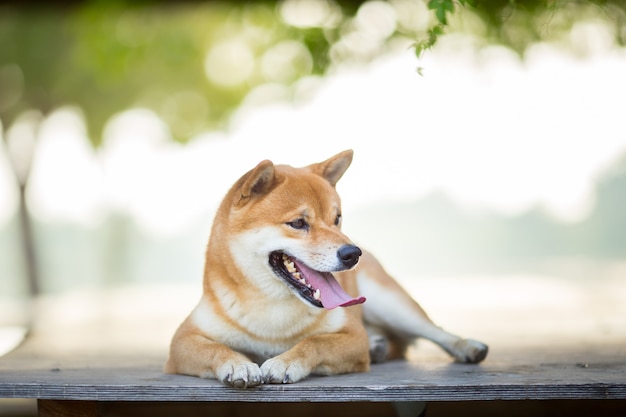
(321, 289)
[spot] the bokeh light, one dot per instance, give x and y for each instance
(229, 63)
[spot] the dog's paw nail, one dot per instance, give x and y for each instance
(240, 383)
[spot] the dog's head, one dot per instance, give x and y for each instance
(285, 229)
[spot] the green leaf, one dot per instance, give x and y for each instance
(448, 5)
(433, 36)
(441, 16)
(441, 8)
(436, 30)
(419, 48)
(434, 4)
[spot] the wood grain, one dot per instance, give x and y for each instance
(394, 381)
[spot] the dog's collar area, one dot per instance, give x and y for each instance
(320, 289)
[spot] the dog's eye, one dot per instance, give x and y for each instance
(338, 220)
(299, 224)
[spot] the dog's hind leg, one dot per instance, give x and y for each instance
(392, 312)
(380, 344)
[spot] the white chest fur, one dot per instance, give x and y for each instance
(262, 331)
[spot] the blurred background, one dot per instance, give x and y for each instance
(489, 139)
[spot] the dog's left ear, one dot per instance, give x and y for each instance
(333, 168)
(256, 182)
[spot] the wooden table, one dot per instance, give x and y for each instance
(575, 373)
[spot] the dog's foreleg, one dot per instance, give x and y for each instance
(324, 354)
(394, 311)
(192, 353)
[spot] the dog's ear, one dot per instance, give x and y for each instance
(333, 168)
(258, 181)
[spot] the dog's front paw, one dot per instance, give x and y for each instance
(470, 351)
(240, 374)
(277, 371)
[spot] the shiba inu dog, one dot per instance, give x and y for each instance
(284, 289)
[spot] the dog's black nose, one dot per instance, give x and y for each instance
(349, 255)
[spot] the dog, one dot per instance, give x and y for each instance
(284, 289)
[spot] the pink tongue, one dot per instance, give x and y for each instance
(332, 295)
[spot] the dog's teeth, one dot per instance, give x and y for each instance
(290, 267)
(317, 294)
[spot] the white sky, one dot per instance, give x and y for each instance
(487, 129)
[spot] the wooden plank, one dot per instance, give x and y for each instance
(302, 409)
(548, 408)
(394, 381)
(55, 408)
